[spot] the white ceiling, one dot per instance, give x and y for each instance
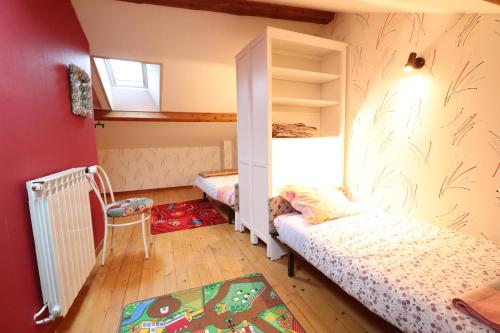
(428, 6)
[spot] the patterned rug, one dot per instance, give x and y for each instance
(246, 304)
(184, 215)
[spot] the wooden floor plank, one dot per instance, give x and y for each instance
(190, 258)
(113, 313)
(114, 260)
(199, 249)
(137, 259)
(181, 275)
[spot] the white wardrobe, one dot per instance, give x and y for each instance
(287, 77)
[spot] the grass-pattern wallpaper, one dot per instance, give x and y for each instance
(426, 143)
(149, 168)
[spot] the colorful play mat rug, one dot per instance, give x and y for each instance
(184, 215)
(242, 305)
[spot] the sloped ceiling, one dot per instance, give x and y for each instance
(430, 6)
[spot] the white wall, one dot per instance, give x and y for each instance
(197, 50)
(135, 134)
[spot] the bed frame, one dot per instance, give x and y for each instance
(231, 211)
(291, 255)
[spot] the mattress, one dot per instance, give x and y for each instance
(404, 270)
(219, 188)
(292, 229)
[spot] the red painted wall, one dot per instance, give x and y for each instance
(38, 136)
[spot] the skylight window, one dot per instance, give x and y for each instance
(125, 73)
(127, 85)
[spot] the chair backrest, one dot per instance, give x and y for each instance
(99, 181)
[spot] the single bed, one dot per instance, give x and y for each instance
(220, 188)
(404, 270)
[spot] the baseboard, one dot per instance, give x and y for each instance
(98, 248)
(154, 189)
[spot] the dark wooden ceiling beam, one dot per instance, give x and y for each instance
(248, 8)
(164, 116)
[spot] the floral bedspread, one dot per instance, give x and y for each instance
(404, 270)
(221, 188)
(226, 194)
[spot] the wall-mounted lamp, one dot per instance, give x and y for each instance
(414, 62)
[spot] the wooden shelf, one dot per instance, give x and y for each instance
(290, 74)
(163, 116)
(312, 103)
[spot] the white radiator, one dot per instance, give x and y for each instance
(62, 230)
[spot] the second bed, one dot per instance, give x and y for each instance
(220, 188)
(404, 270)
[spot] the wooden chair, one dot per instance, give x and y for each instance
(99, 181)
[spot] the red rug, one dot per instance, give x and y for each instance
(184, 215)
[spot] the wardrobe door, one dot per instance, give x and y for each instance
(260, 139)
(244, 126)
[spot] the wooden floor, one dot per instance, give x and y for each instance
(195, 257)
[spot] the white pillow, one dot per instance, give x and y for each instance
(340, 205)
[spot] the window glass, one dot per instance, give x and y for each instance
(126, 73)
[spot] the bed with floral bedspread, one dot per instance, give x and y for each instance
(404, 270)
(221, 188)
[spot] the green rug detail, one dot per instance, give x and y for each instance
(246, 304)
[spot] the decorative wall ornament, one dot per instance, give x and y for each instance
(81, 97)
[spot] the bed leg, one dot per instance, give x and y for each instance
(291, 264)
(204, 195)
(237, 224)
(230, 217)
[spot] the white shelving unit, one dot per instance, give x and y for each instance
(287, 77)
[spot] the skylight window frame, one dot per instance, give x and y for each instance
(104, 87)
(109, 68)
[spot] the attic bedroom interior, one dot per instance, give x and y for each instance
(270, 166)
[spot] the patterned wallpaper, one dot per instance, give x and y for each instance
(426, 143)
(148, 168)
(227, 158)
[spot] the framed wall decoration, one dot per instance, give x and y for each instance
(81, 92)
